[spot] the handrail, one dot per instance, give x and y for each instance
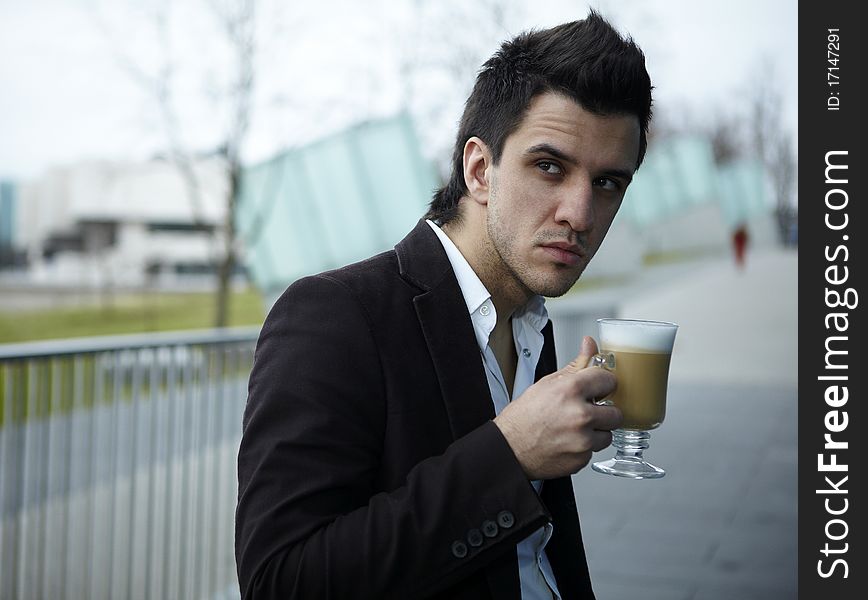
(117, 464)
(91, 345)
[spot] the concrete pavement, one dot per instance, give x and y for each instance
(722, 523)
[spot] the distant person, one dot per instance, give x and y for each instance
(407, 434)
(739, 244)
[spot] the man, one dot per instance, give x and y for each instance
(395, 444)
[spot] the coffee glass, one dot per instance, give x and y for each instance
(638, 352)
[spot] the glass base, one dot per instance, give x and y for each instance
(628, 461)
(629, 466)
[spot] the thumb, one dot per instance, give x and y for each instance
(587, 350)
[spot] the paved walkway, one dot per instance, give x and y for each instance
(722, 524)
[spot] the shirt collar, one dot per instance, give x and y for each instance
(476, 295)
(472, 288)
(535, 312)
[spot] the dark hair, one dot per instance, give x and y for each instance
(586, 60)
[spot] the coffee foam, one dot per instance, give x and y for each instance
(652, 336)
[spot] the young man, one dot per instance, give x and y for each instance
(406, 433)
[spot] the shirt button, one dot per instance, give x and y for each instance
(489, 528)
(474, 538)
(505, 519)
(526, 353)
(459, 549)
(484, 310)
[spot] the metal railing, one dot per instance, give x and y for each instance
(117, 465)
(118, 460)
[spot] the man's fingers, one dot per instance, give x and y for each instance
(606, 418)
(592, 384)
(587, 350)
(600, 440)
(588, 383)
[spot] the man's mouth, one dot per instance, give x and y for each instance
(564, 252)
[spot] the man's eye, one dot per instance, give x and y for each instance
(549, 167)
(610, 185)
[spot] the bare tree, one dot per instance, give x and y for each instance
(446, 43)
(235, 21)
(755, 129)
(724, 133)
(238, 23)
(772, 143)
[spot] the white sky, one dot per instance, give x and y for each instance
(63, 97)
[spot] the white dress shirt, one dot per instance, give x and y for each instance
(535, 571)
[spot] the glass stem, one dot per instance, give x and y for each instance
(630, 443)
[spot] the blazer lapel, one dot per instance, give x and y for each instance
(448, 330)
(547, 362)
(449, 334)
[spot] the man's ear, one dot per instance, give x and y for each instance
(477, 169)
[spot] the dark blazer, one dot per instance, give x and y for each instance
(369, 461)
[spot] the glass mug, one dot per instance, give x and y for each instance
(638, 352)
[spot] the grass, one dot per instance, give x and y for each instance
(148, 312)
(674, 256)
(39, 388)
(140, 313)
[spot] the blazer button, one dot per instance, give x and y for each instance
(505, 519)
(459, 549)
(474, 538)
(489, 528)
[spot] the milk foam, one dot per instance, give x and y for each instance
(653, 336)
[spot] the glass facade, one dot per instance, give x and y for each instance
(333, 202)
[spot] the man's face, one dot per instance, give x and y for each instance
(554, 194)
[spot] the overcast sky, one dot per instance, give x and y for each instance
(64, 98)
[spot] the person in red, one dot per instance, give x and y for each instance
(739, 242)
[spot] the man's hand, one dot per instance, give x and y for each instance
(554, 426)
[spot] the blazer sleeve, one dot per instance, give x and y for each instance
(309, 521)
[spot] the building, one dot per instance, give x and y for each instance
(10, 255)
(682, 204)
(334, 201)
(360, 191)
(337, 200)
(103, 223)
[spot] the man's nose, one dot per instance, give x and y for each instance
(576, 207)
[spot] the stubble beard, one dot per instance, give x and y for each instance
(514, 274)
